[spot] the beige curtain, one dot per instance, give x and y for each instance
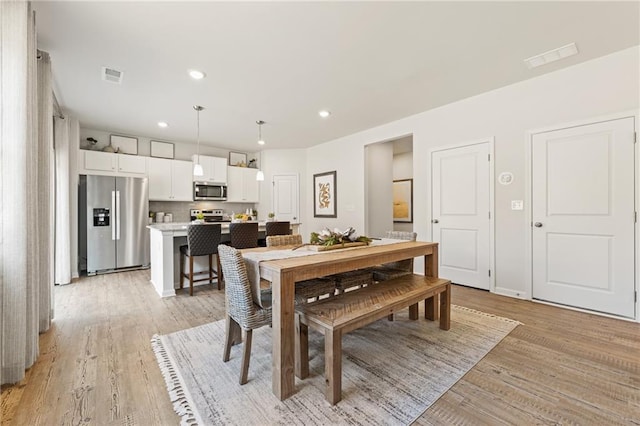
(25, 183)
(66, 137)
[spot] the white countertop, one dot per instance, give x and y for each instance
(181, 227)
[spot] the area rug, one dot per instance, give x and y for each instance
(392, 372)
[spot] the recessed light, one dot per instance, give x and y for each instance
(163, 124)
(197, 75)
(260, 142)
(552, 55)
(324, 113)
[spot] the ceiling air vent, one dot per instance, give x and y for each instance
(111, 75)
(552, 55)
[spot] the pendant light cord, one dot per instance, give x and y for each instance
(198, 108)
(198, 132)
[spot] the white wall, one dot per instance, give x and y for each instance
(594, 88)
(403, 169)
(379, 189)
(281, 161)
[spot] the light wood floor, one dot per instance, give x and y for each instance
(97, 367)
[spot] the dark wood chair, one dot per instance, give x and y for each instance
(202, 240)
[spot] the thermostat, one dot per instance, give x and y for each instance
(505, 178)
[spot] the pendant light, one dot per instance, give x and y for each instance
(197, 168)
(260, 174)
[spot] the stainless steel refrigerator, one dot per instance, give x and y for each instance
(116, 218)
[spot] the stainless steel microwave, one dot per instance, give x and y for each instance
(209, 191)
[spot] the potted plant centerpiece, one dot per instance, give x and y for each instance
(272, 217)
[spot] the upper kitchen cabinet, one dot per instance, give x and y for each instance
(132, 164)
(170, 180)
(242, 186)
(214, 169)
(106, 163)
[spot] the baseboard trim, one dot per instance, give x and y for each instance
(511, 293)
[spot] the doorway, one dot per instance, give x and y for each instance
(386, 163)
(462, 212)
(285, 197)
(583, 216)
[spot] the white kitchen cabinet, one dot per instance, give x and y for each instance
(214, 169)
(170, 180)
(108, 163)
(242, 186)
(99, 161)
(132, 164)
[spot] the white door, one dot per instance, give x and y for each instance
(461, 208)
(583, 217)
(285, 197)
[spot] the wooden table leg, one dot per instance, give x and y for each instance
(333, 366)
(430, 308)
(445, 308)
(431, 270)
(302, 349)
(413, 312)
(283, 352)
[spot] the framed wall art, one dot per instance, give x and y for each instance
(124, 144)
(324, 195)
(162, 149)
(403, 200)
(238, 159)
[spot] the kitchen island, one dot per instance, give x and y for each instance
(166, 239)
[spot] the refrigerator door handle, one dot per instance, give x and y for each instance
(118, 215)
(113, 210)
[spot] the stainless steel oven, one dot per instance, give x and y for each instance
(209, 191)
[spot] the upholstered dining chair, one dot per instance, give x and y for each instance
(241, 312)
(388, 271)
(277, 228)
(243, 235)
(202, 240)
(309, 289)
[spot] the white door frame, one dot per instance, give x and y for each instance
(528, 269)
(489, 140)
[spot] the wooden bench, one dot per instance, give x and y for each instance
(351, 310)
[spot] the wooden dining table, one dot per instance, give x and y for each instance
(284, 273)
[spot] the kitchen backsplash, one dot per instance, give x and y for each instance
(180, 210)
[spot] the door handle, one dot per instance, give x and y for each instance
(113, 212)
(118, 215)
(538, 225)
(435, 221)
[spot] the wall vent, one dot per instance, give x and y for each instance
(112, 75)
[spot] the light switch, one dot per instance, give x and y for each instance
(517, 205)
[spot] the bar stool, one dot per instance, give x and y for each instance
(243, 235)
(202, 240)
(278, 228)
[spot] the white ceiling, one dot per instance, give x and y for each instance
(281, 62)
